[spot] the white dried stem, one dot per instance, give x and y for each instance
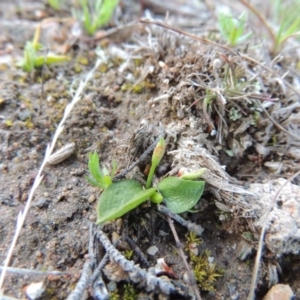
(86, 274)
(39, 177)
(135, 273)
(32, 272)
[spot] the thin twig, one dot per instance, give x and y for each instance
(262, 235)
(203, 40)
(142, 158)
(277, 124)
(22, 215)
(86, 274)
(99, 268)
(137, 251)
(183, 257)
(197, 229)
(261, 19)
(135, 273)
(100, 291)
(33, 272)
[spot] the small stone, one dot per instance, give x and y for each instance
(42, 203)
(35, 290)
(279, 292)
(92, 199)
(115, 238)
(24, 114)
(111, 286)
(152, 250)
(24, 197)
(92, 218)
(38, 254)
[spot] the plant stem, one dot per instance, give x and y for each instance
(158, 153)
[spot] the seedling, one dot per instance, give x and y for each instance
(286, 15)
(95, 15)
(179, 193)
(31, 58)
(233, 29)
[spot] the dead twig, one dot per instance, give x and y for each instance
(262, 235)
(135, 273)
(33, 272)
(261, 19)
(183, 257)
(98, 270)
(277, 124)
(197, 229)
(137, 251)
(142, 158)
(86, 274)
(195, 37)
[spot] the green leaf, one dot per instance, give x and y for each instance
(180, 195)
(106, 11)
(157, 155)
(98, 178)
(50, 59)
(120, 198)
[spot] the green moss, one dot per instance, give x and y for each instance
(129, 292)
(206, 273)
(137, 88)
(128, 254)
(114, 295)
(191, 237)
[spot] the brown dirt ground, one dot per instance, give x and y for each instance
(55, 235)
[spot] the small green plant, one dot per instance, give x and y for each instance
(128, 254)
(31, 58)
(232, 29)
(192, 238)
(179, 193)
(129, 292)
(95, 14)
(287, 16)
(206, 273)
(114, 295)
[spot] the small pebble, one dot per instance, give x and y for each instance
(35, 290)
(115, 238)
(92, 198)
(152, 250)
(42, 203)
(24, 114)
(92, 218)
(38, 254)
(111, 286)
(279, 292)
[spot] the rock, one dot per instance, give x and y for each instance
(283, 227)
(279, 292)
(24, 114)
(152, 250)
(35, 290)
